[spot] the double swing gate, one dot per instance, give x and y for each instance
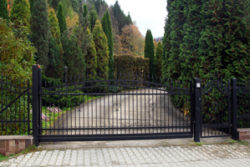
(121, 109)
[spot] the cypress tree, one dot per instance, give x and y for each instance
(158, 61)
(55, 65)
(61, 18)
(149, 53)
(91, 59)
(83, 16)
(92, 18)
(73, 57)
(107, 28)
(173, 38)
(54, 26)
(40, 31)
(3, 9)
(102, 51)
(20, 16)
(189, 48)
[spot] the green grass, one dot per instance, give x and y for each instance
(2, 157)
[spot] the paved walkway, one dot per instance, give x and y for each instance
(173, 156)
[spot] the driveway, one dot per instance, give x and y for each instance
(223, 155)
(137, 111)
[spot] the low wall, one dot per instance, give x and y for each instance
(14, 144)
(244, 134)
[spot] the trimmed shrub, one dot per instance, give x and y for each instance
(131, 67)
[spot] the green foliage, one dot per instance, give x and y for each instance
(102, 51)
(3, 9)
(120, 17)
(206, 39)
(73, 56)
(131, 67)
(158, 60)
(55, 66)
(20, 17)
(16, 55)
(149, 52)
(83, 16)
(91, 58)
(40, 31)
(92, 19)
(54, 27)
(54, 3)
(18, 108)
(61, 19)
(107, 28)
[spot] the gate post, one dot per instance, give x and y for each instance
(197, 109)
(234, 108)
(35, 102)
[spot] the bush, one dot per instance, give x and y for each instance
(131, 67)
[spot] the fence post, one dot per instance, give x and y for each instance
(234, 108)
(35, 102)
(197, 109)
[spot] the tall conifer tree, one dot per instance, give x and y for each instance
(107, 28)
(149, 53)
(91, 58)
(102, 51)
(3, 9)
(61, 18)
(40, 31)
(20, 16)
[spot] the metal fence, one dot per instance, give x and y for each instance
(15, 114)
(75, 109)
(111, 109)
(243, 99)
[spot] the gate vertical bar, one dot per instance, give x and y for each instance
(35, 102)
(197, 109)
(234, 109)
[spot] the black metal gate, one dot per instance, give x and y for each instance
(111, 110)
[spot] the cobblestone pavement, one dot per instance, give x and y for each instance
(173, 156)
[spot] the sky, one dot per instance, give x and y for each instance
(147, 14)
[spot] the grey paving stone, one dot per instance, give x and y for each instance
(173, 156)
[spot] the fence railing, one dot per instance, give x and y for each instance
(15, 113)
(243, 98)
(216, 108)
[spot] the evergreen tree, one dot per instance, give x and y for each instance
(40, 31)
(107, 28)
(83, 16)
(54, 27)
(61, 18)
(120, 17)
(73, 57)
(92, 19)
(102, 52)
(3, 9)
(20, 16)
(55, 65)
(189, 48)
(149, 53)
(91, 59)
(173, 38)
(158, 61)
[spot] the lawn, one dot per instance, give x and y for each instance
(2, 157)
